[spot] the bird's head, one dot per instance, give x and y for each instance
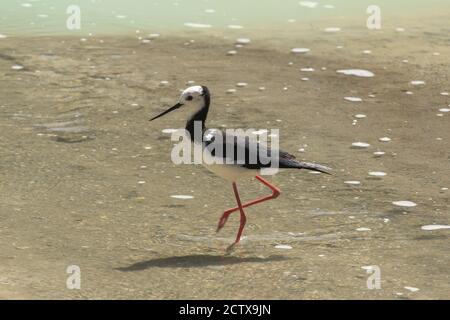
(193, 98)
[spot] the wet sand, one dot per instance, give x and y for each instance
(74, 193)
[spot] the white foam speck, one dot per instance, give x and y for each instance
(360, 116)
(417, 82)
(379, 153)
(120, 16)
(353, 99)
(367, 267)
(169, 131)
(243, 40)
(258, 132)
(444, 110)
(367, 51)
(444, 94)
(332, 29)
(400, 29)
(262, 88)
(283, 246)
(26, 5)
(231, 90)
(232, 52)
(210, 10)
(360, 145)
(328, 6)
(432, 227)
(352, 182)
(197, 25)
(384, 139)
(154, 35)
(17, 67)
(307, 69)
(235, 26)
(182, 197)
(363, 229)
(164, 83)
(377, 173)
(308, 4)
(404, 203)
(412, 289)
(357, 73)
(241, 84)
(2, 36)
(300, 50)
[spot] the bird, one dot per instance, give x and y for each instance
(198, 100)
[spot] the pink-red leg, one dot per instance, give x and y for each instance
(243, 217)
(275, 193)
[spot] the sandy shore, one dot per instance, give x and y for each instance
(85, 179)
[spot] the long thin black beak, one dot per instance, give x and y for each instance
(175, 107)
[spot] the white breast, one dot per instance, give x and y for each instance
(231, 172)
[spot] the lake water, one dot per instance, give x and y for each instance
(48, 17)
(87, 180)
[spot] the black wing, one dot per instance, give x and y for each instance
(249, 153)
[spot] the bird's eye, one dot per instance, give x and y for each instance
(189, 98)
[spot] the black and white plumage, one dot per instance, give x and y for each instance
(198, 98)
(247, 159)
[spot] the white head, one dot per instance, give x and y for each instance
(194, 98)
(192, 95)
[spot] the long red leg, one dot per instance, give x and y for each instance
(243, 218)
(275, 193)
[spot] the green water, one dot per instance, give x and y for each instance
(48, 17)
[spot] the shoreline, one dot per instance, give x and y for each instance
(86, 180)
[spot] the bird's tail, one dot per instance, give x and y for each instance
(310, 166)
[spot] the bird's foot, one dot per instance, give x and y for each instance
(221, 224)
(231, 248)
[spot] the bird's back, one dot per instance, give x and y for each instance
(247, 152)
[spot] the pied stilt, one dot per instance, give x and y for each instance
(198, 99)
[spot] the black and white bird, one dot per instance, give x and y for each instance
(231, 167)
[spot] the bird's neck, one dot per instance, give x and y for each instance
(199, 116)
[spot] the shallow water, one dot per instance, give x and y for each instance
(85, 179)
(48, 17)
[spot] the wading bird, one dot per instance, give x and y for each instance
(228, 164)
